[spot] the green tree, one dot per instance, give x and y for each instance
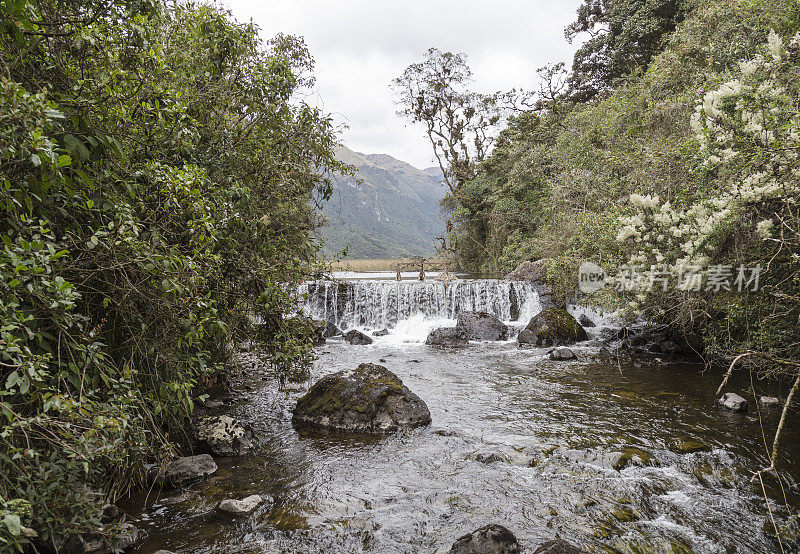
(157, 172)
(624, 35)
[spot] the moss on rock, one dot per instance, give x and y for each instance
(552, 326)
(368, 399)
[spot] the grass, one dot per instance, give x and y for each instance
(363, 265)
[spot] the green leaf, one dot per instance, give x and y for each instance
(36, 160)
(12, 380)
(74, 144)
(64, 160)
(12, 524)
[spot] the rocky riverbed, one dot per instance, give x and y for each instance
(612, 458)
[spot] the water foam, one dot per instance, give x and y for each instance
(414, 305)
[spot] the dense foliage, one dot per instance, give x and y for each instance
(156, 178)
(624, 35)
(687, 157)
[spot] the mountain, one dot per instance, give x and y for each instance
(392, 212)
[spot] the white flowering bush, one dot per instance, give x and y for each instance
(748, 129)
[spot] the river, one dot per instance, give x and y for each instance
(631, 459)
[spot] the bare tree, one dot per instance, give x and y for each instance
(461, 125)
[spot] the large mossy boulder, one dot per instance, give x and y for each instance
(482, 326)
(447, 336)
(368, 399)
(550, 327)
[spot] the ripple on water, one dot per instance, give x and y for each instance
(516, 439)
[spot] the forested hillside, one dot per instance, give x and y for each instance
(388, 209)
(156, 174)
(672, 143)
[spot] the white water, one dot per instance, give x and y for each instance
(600, 318)
(410, 309)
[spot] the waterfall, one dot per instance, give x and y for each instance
(381, 304)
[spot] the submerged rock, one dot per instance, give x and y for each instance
(732, 401)
(633, 456)
(381, 333)
(447, 336)
(481, 326)
(356, 337)
(769, 402)
(552, 326)
(558, 546)
(188, 469)
(489, 457)
(224, 435)
(689, 447)
(585, 321)
(368, 399)
(530, 271)
(244, 506)
(562, 354)
(491, 539)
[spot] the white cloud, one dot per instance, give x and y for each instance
(361, 45)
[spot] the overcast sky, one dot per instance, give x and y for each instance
(361, 45)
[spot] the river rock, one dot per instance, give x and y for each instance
(381, 333)
(769, 402)
(489, 457)
(689, 447)
(530, 271)
(127, 537)
(368, 399)
(224, 435)
(552, 326)
(558, 546)
(562, 354)
(732, 401)
(357, 337)
(481, 326)
(647, 339)
(317, 332)
(633, 456)
(447, 336)
(491, 539)
(330, 329)
(244, 506)
(189, 468)
(585, 321)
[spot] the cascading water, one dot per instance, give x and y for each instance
(614, 457)
(382, 304)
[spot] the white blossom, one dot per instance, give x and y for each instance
(764, 228)
(644, 201)
(775, 46)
